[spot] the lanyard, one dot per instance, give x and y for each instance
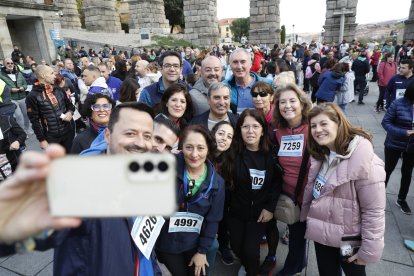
(202, 195)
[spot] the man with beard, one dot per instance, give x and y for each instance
(211, 72)
(242, 81)
(105, 246)
(219, 101)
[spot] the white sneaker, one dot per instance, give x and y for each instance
(242, 271)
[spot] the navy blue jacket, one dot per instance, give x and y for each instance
(396, 82)
(329, 83)
(210, 207)
(202, 119)
(361, 67)
(396, 122)
(151, 95)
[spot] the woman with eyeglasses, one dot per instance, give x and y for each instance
(176, 105)
(257, 183)
(97, 108)
(186, 236)
(223, 159)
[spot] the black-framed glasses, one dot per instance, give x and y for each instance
(169, 66)
(99, 107)
(262, 94)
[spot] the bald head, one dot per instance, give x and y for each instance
(140, 68)
(211, 70)
(45, 74)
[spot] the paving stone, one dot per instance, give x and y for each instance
(6, 272)
(29, 264)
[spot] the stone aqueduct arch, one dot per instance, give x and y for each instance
(201, 19)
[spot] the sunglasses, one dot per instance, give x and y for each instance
(261, 94)
(99, 107)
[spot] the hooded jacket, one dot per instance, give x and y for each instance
(351, 203)
(20, 82)
(99, 86)
(199, 97)
(44, 116)
(210, 207)
(361, 67)
(329, 83)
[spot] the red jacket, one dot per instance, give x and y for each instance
(257, 61)
(385, 72)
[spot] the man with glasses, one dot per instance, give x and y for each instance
(219, 101)
(50, 110)
(171, 64)
(242, 81)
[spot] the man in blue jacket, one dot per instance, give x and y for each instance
(398, 83)
(114, 84)
(242, 81)
(105, 246)
(172, 66)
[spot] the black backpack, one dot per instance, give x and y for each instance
(315, 75)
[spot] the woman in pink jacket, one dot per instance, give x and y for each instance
(386, 70)
(344, 199)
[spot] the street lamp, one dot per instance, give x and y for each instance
(293, 39)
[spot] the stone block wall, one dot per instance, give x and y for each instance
(332, 22)
(409, 24)
(264, 22)
(201, 25)
(70, 18)
(149, 15)
(101, 16)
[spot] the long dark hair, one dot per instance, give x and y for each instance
(224, 161)
(264, 144)
(169, 92)
(211, 145)
(127, 91)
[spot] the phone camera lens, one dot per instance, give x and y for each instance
(162, 166)
(148, 166)
(134, 166)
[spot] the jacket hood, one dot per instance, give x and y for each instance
(199, 85)
(362, 59)
(100, 82)
(337, 74)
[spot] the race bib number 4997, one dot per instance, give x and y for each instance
(185, 222)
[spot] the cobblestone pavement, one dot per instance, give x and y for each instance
(396, 259)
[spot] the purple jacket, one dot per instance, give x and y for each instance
(351, 203)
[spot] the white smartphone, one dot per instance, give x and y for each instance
(113, 185)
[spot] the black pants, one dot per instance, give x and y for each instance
(177, 264)
(391, 160)
(330, 262)
(306, 84)
(272, 237)
(296, 258)
(362, 83)
(65, 140)
(380, 102)
(374, 72)
(245, 237)
(223, 230)
(313, 95)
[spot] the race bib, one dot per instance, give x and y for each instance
(257, 178)
(185, 222)
(291, 145)
(145, 233)
(319, 184)
(399, 94)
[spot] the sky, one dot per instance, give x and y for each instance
(312, 18)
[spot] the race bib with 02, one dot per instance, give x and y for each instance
(258, 178)
(291, 145)
(145, 232)
(185, 222)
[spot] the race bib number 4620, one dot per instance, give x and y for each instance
(145, 232)
(291, 145)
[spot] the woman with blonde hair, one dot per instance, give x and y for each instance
(344, 199)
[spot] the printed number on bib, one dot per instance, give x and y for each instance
(257, 177)
(185, 222)
(145, 233)
(319, 184)
(399, 94)
(291, 145)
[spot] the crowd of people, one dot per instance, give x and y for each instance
(260, 136)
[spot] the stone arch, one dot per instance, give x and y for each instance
(101, 16)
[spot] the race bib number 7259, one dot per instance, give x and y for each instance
(291, 145)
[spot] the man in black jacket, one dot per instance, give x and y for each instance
(361, 68)
(50, 111)
(218, 98)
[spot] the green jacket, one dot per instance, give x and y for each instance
(20, 82)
